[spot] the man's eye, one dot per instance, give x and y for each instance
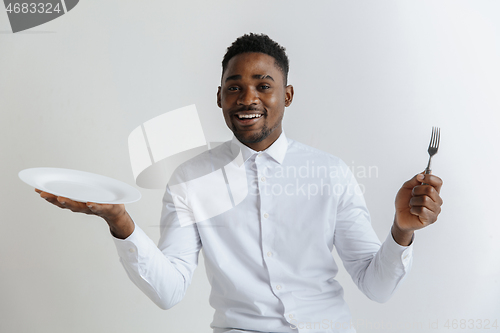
(232, 88)
(265, 86)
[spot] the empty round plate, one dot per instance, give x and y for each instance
(80, 185)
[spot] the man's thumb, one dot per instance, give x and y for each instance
(416, 180)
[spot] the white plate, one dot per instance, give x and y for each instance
(80, 185)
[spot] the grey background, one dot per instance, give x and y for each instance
(371, 78)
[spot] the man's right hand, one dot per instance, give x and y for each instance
(120, 223)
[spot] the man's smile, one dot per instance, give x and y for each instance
(248, 119)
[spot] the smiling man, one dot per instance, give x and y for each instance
(253, 97)
(268, 258)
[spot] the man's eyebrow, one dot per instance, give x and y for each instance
(263, 77)
(256, 76)
(233, 77)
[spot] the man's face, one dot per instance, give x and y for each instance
(253, 86)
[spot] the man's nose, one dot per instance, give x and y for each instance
(248, 96)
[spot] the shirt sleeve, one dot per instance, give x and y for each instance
(162, 272)
(377, 269)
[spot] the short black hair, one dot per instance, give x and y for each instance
(258, 43)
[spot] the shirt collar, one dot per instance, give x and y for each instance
(276, 150)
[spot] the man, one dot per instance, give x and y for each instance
(268, 258)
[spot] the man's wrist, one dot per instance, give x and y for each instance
(402, 237)
(121, 226)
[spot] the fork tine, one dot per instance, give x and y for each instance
(439, 137)
(435, 137)
(435, 142)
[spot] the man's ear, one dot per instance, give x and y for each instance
(288, 95)
(219, 98)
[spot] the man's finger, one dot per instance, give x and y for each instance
(104, 210)
(96, 208)
(74, 206)
(427, 202)
(50, 198)
(427, 190)
(416, 180)
(424, 214)
(433, 180)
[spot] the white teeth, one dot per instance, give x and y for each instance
(249, 116)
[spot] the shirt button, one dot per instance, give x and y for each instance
(266, 215)
(278, 287)
(269, 254)
(263, 179)
(131, 250)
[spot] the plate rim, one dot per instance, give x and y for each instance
(134, 194)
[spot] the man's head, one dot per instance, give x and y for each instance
(253, 84)
(260, 44)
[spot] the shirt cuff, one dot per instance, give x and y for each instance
(398, 252)
(128, 248)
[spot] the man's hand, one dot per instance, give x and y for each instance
(417, 206)
(120, 223)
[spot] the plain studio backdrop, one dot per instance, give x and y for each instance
(371, 78)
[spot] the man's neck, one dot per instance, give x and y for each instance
(266, 143)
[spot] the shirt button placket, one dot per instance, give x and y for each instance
(267, 226)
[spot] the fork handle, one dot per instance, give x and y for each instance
(428, 169)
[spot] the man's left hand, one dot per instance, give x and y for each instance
(417, 205)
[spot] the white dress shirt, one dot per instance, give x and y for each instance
(268, 258)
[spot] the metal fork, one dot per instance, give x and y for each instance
(433, 147)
